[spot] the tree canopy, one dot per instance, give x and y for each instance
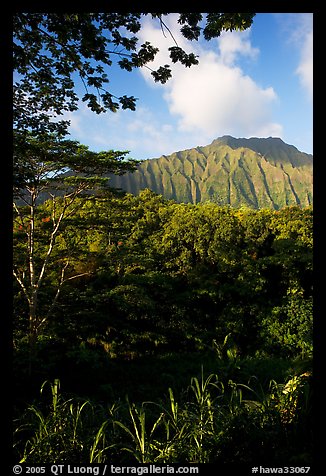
(52, 51)
(144, 274)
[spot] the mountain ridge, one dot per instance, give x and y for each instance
(255, 172)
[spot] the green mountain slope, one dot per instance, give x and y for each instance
(255, 172)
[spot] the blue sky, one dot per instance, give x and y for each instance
(256, 83)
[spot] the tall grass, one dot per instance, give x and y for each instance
(211, 421)
(64, 431)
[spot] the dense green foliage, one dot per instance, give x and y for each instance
(157, 276)
(179, 332)
(41, 166)
(163, 289)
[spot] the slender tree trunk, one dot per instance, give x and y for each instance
(32, 301)
(32, 334)
(36, 274)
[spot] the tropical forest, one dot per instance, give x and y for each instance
(146, 329)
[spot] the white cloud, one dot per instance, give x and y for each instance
(297, 28)
(215, 97)
(203, 102)
(305, 68)
(233, 44)
(142, 132)
(218, 99)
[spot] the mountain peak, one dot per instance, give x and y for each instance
(249, 142)
(256, 172)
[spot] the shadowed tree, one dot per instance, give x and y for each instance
(61, 171)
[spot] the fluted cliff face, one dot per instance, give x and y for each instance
(254, 172)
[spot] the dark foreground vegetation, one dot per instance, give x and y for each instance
(166, 333)
(156, 332)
